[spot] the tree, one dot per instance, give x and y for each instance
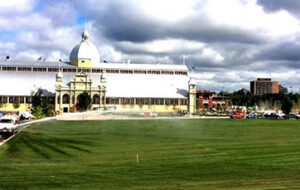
(1, 101)
(286, 105)
(84, 101)
(37, 99)
(40, 105)
(38, 112)
(16, 103)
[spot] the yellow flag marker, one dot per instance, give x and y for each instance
(137, 158)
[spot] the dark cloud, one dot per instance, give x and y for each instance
(287, 51)
(292, 6)
(121, 21)
(201, 29)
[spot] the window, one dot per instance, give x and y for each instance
(139, 101)
(28, 100)
(168, 102)
(126, 71)
(112, 71)
(140, 72)
(65, 110)
(52, 69)
(167, 72)
(22, 100)
(159, 101)
(96, 99)
(69, 70)
(3, 99)
(9, 68)
(112, 100)
(183, 102)
(154, 72)
(84, 70)
(39, 69)
(97, 71)
(24, 68)
(11, 100)
(125, 101)
(66, 99)
(151, 101)
(146, 101)
(132, 101)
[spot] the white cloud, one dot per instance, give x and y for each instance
(8, 45)
(167, 10)
(31, 21)
(109, 54)
(232, 62)
(250, 16)
(163, 46)
(16, 6)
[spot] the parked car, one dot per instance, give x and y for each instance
(237, 115)
(281, 115)
(25, 115)
(291, 116)
(272, 116)
(8, 124)
(252, 116)
(148, 114)
(182, 112)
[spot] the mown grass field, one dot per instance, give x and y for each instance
(173, 154)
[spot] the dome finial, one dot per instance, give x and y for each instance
(59, 75)
(85, 35)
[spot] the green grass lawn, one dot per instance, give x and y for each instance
(173, 154)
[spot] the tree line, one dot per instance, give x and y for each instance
(283, 101)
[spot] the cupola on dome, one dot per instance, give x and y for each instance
(59, 75)
(84, 54)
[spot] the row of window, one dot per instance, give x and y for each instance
(66, 99)
(21, 99)
(96, 100)
(128, 101)
(147, 101)
(73, 70)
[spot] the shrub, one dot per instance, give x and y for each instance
(84, 101)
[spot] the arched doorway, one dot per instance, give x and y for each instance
(66, 99)
(96, 99)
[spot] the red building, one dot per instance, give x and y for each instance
(208, 100)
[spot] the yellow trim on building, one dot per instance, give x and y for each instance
(152, 108)
(9, 107)
(82, 63)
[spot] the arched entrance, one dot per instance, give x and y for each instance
(96, 99)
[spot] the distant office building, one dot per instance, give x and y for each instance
(264, 86)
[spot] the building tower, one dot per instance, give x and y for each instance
(58, 86)
(192, 96)
(102, 88)
(59, 79)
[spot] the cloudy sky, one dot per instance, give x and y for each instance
(226, 43)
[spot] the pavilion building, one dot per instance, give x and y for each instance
(153, 87)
